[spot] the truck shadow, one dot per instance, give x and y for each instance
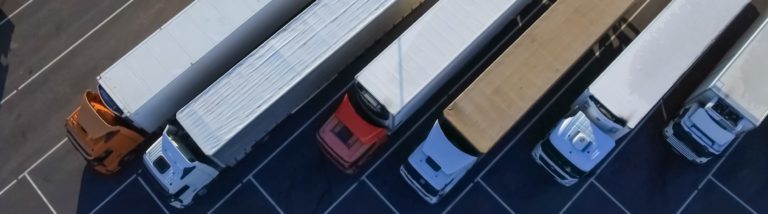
(6, 31)
(111, 193)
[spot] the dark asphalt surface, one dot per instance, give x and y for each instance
(287, 172)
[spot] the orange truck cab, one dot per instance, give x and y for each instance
(100, 135)
(143, 90)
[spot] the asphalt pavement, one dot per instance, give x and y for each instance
(52, 50)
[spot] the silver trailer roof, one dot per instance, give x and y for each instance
(215, 116)
(745, 78)
(666, 49)
(172, 49)
(429, 47)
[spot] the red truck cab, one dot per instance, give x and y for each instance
(354, 131)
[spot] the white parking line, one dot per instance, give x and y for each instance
(9, 96)
(301, 129)
(225, 198)
(33, 166)
(341, 197)
(720, 162)
(269, 198)
(687, 201)
(8, 186)
(457, 198)
(421, 120)
(15, 11)
(380, 195)
(610, 196)
(47, 66)
(113, 194)
(40, 193)
(711, 172)
(732, 195)
(608, 160)
(67, 50)
(496, 196)
(152, 194)
(44, 156)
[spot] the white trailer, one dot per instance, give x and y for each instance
(218, 127)
(409, 72)
(621, 97)
(140, 92)
(497, 99)
(731, 102)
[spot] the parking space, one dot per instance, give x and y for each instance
(22, 197)
(131, 198)
(33, 118)
(711, 198)
(247, 197)
(743, 172)
(288, 173)
(48, 25)
(593, 198)
(362, 198)
(483, 200)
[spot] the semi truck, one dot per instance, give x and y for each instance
(628, 89)
(731, 102)
(481, 115)
(218, 127)
(408, 72)
(140, 92)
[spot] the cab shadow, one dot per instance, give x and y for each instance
(107, 193)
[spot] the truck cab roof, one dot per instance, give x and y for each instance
(449, 157)
(577, 141)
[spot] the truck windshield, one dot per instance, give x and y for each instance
(185, 143)
(563, 163)
(109, 102)
(730, 117)
(607, 113)
(367, 106)
(456, 138)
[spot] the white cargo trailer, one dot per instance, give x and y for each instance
(474, 122)
(401, 79)
(731, 102)
(143, 90)
(219, 126)
(619, 99)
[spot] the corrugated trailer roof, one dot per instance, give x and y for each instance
(428, 47)
(744, 80)
(216, 115)
(668, 47)
(173, 48)
(525, 71)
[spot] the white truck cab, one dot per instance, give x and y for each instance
(176, 168)
(627, 91)
(438, 163)
(730, 103)
(704, 131)
(577, 138)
